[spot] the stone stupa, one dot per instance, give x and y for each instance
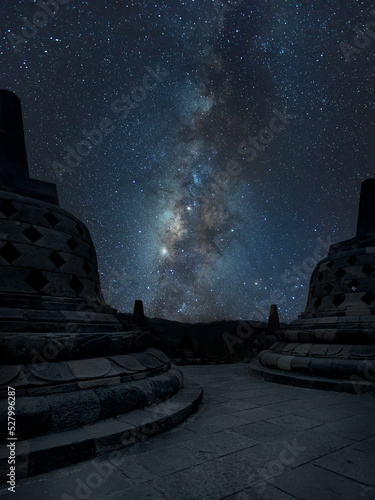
(84, 384)
(332, 344)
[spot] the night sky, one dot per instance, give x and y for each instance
(233, 138)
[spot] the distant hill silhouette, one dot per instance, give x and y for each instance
(212, 342)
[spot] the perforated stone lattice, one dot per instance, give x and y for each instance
(72, 243)
(36, 280)
(86, 267)
(338, 300)
(352, 260)
(56, 259)
(368, 298)
(62, 245)
(7, 208)
(9, 252)
(328, 288)
(340, 273)
(318, 303)
(76, 285)
(353, 285)
(32, 234)
(367, 269)
(51, 219)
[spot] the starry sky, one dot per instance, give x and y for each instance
(213, 148)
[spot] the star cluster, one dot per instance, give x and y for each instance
(214, 149)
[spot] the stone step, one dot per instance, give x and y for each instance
(59, 449)
(356, 385)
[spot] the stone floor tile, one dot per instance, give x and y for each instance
(351, 463)
(264, 431)
(295, 422)
(215, 424)
(239, 405)
(325, 414)
(356, 427)
(265, 492)
(301, 447)
(210, 480)
(367, 446)
(310, 482)
(243, 443)
(169, 459)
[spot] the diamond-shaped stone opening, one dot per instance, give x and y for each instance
(328, 288)
(80, 229)
(338, 300)
(36, 280)
(76, 285)
(7, 208)
(32, 234)
(51, 219)
(367, 269)
(352, 260)
(9, 252)
(353, 285)
(320, 276)
(340, 273)
(90, 252)
(86, 267)
(368, 298)
(318, 302)
(330, 264)
(72, 243)
(56, 259)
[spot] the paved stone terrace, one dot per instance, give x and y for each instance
(249, 440)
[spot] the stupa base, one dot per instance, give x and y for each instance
(352, 385)
(60, 449)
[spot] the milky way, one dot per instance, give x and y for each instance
(233, 138)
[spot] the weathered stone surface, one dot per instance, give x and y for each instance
(72, 409)
(129, 363)
(68, 447)
(9, 373)
(147, 360)
(115, 400)
(91, 368)
(52, 372)
(109, 434)
(300, 364)
(33, 416)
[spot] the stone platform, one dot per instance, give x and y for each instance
(61, 448)
(249, 439)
